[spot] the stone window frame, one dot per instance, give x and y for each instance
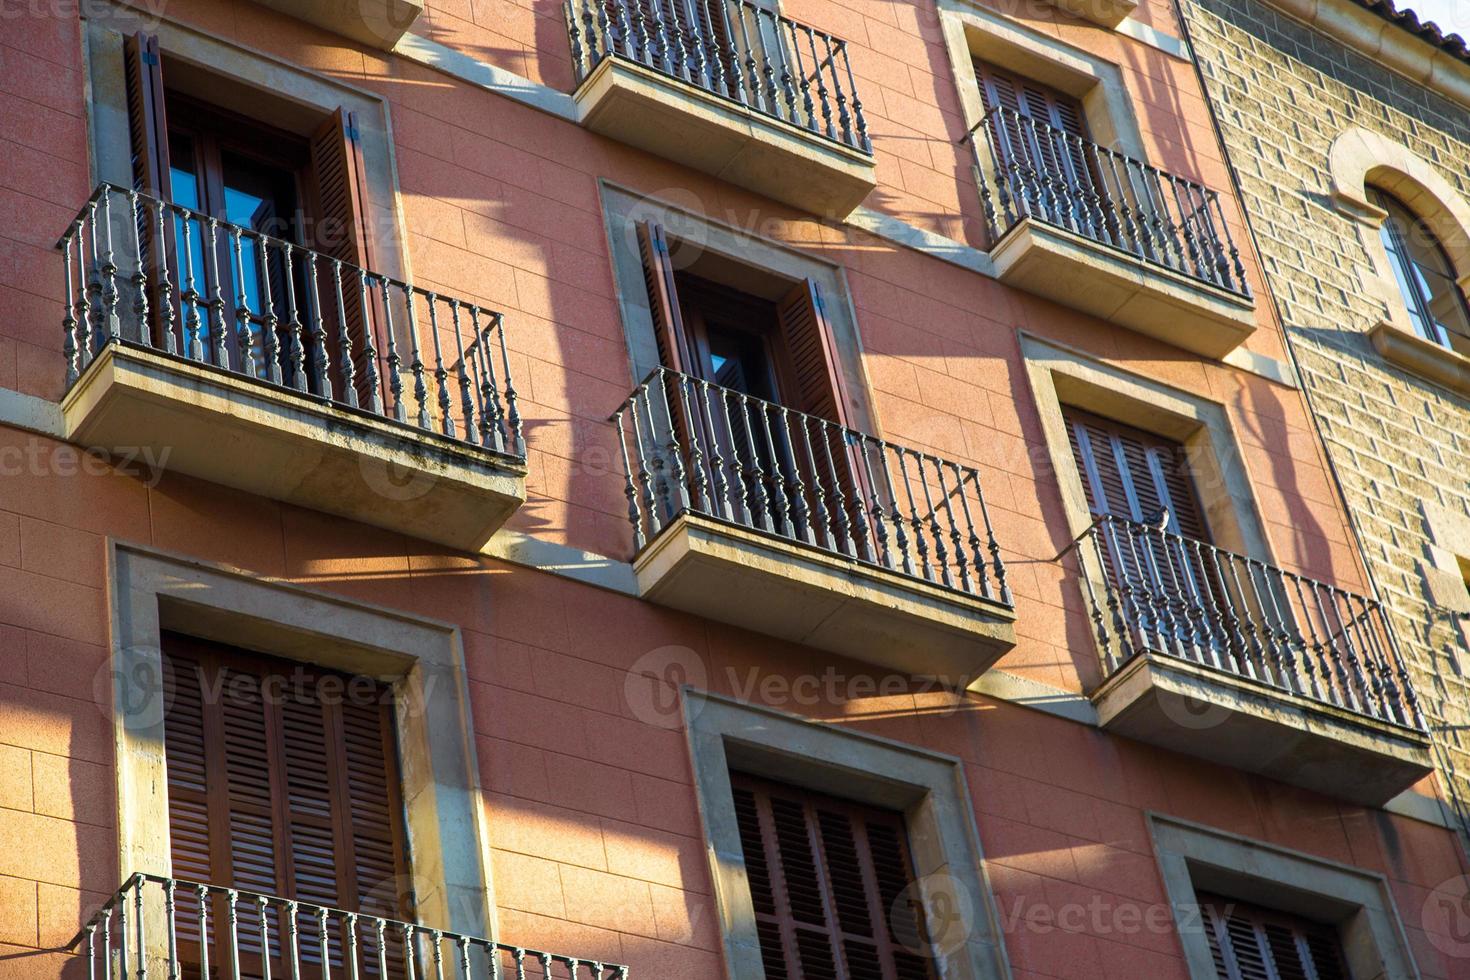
(1059, 374)
(1193, 857)
(1446, 567)
(287, 87)
(695, 234)
(929, 788)
(1359, 160)
(423, 661)
(972, 31)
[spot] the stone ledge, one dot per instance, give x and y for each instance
(376, 23)
(285, 445)
(681, 122)
(1114, 285)
(1422, 357)
(806, 595)
(1212, 715)
(1104, 13)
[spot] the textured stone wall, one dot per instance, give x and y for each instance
(1283, 92)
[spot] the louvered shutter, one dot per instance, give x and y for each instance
(674, 349)
(1131, 474)
(821, 390)
(828, 881)
(1251, 943)
(1051, 148)
(148, 141)
(340, 202)
(283, 779)
(147, 122)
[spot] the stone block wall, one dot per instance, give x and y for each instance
(1400, 444)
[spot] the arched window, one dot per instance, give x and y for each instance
(1425, 276)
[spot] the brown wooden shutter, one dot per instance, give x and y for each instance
(675, 352)
(821, 386)
(340, 199)
(147, 122)
(148, 142)
(1034, 99)
(1039, 148)
(1130, 473)
(827, 880)
(1252, 943)
(283, 779)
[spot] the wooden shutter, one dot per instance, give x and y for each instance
(148, 143)
(283, 779)
(674, 349)
(340, 202)
(827, 880)
(1252, 943)
(147, 122)
(1040, 149)
(1130, 473)
(1000, 88)
(820, 388)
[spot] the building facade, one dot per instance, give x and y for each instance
(676, 491)
(1358, 199)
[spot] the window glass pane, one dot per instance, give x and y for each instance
(1424, 275)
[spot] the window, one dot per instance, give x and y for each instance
(767, 345)
(302, 183)
(1425, 276)
(1046, 105)
(282, 780)
(1252, 943)
(1040, 137)
(1134, 475)
(830, 882)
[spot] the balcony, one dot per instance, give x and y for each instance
(1109, 235)
(255, 363)
(730, 88)
(749, 513)
(1229, 659)
(171, 928)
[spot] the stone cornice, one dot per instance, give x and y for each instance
(1388, 43)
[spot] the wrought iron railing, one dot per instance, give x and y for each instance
(1028, 169)
(740, 50)
(145, 272)
(171, 928)
(1150, 590)
(691, 446)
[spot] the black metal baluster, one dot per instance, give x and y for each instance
(838, 500)
(372, 381)
(822, 100)
(243, 335)
(270, 339)
(71, 337)
(441, 374)
(217, 325)
(630, 490)
(136, 217)
(962, 565)
(801, 515)
(696, 452)
(645, 475)
(193, 344)
(466, 388)
(739, 472)
(319, 359)
(165, 279)
(716, 462)
(395, 366)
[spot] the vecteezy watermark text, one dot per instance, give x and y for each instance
(45, 457)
